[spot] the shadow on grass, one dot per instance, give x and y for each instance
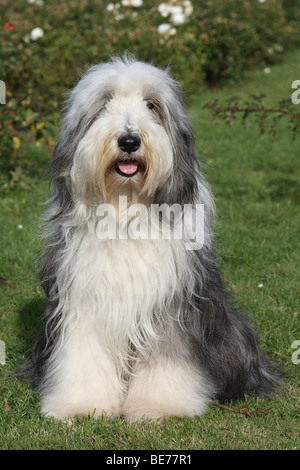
(29, 320)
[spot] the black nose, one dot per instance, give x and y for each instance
(129, 143)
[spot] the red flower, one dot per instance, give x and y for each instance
(9, 26)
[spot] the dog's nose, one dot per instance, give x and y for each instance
(129, 143)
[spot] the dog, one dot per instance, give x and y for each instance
(137, 327)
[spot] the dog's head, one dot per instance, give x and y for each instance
(125, 131)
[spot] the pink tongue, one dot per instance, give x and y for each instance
(128, 168)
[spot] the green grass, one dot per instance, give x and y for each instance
(255, 179)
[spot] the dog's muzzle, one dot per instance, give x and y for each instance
(128, 165)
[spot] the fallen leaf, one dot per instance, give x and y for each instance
(6, 405)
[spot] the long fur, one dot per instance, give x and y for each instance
(134, 327)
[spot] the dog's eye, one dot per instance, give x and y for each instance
(150, 105)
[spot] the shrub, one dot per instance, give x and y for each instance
(209, 41)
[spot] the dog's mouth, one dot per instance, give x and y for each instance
(127, 168)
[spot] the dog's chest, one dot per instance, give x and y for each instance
(126, 276)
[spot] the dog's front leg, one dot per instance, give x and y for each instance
(164, 388)
(81, 378)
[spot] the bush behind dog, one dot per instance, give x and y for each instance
(45, 44)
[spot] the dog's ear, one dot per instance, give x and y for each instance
(181, 185)
(186, 167)
(70, 135)
(78, 114)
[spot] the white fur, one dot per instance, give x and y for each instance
(166, 389)
(109, 291)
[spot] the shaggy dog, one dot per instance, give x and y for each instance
(136, 326)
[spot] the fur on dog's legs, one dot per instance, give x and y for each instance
(161, 389)
(78, 384)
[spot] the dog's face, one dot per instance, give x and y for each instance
(125, 132)
(129, 145)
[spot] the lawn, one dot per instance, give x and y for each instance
(255, 178)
